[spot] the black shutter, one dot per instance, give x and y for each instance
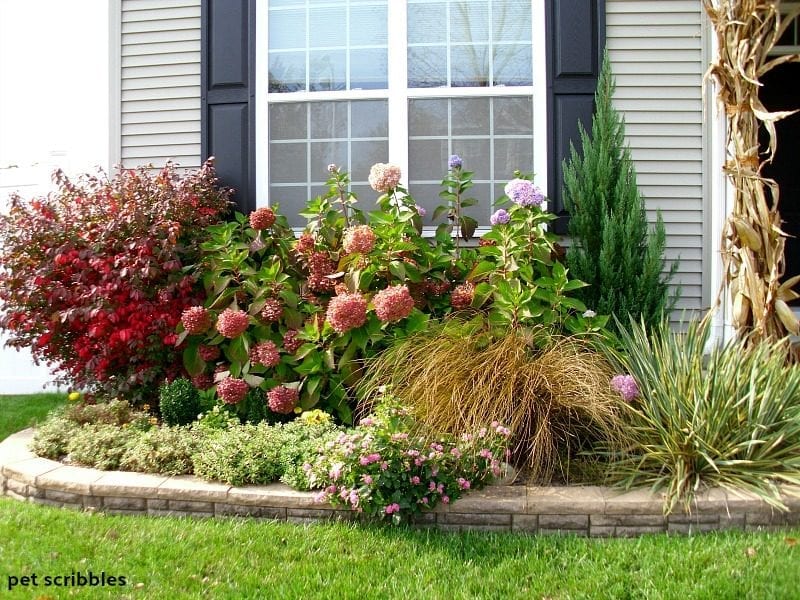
(575, 32)
(228, 94)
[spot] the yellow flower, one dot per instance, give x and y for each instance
(315, 417)
(153, 421)
(73, 396)
(145, 407)
(298, 410)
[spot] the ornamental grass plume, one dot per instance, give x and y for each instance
(232, 323)
(346, 312)
(393, 303)
(556, 400)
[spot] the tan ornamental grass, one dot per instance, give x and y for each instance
(556, 400)
(752, 241)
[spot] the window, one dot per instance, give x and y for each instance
(355, 82)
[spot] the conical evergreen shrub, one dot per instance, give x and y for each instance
(612, 248)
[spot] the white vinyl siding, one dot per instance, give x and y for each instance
(658, 59)
(160, 82)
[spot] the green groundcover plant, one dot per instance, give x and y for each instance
(729, 417)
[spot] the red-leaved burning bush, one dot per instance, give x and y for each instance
(92, 278)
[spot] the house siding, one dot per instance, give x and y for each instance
(658, 58)
(160, 82)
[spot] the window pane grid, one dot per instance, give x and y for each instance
(477, 129)
(323, 55)
(486, 44)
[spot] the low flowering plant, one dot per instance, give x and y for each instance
(388, 467)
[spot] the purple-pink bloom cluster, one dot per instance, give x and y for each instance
(346, 312)
(500, 217)
(626, 386)
(524, 193)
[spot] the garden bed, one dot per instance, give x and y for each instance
(579, 510)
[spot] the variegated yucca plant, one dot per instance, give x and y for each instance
(752, 240)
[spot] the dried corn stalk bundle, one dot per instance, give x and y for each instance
(752, 239)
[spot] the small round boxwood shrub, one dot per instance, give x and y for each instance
(240, 455)
(100, 445)
(179, 402)
(163, 450)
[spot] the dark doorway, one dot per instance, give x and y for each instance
(781, 91)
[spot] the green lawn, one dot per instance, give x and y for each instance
(19, 412)
(245, 558)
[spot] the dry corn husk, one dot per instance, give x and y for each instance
(753, 241)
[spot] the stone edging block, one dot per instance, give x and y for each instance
(577, 510)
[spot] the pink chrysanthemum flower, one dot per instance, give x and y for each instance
(265, 353)
(291, 342)
(282, 399)
(626, 386)
(196, 319)
(232, 323)
(524, 193)
(393, 303)
(208, 353)
(262, 218)
(347, 311)
(359, 239)
(272, 311)
(384, 177)
(461, 297)
(232, 391)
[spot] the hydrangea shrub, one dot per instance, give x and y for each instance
(297, 317)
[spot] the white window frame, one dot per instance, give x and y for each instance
(398, 95)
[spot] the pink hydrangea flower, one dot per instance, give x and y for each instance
(384, 177)
(208, 353)
(524, 193)
(291, 342)
(272, 311)
(415, 480)
(232, 323)
(625, 385)
(463, 483)
(393, 303)
(367, 479)
(359, 239)
(232, 391)
(262, 218)
(282, 399)
(196, 319)
(265, 353)
(392, 508)
(461, 296)
(346, 312)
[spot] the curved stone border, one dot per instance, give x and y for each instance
(587, 511)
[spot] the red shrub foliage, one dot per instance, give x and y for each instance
(92, 275)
